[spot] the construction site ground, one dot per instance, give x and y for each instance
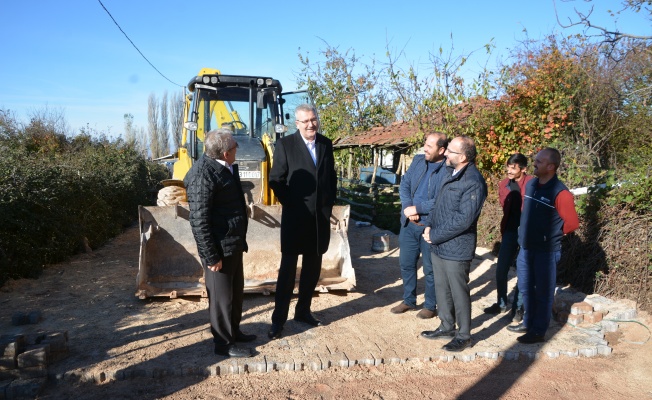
(124, 347)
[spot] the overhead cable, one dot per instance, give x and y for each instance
(135, 47)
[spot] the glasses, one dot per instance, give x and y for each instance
(454, 152)
(234, 146)
(313, 120)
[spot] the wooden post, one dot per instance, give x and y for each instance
(350, 172)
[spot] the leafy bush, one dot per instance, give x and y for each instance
(58, 194)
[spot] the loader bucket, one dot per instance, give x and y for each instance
(169, 264)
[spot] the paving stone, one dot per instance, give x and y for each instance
(593, 318)
(25, 388)
(609, 326)
(575, 319)
(570, 353)
(604, 350)
(491, 355)
(466, 357)
(581, 308)
(599, 303)
(552, 353)
(35, 357)
(588, 351)
(11, 345)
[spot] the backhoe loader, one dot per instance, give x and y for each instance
(258, 113)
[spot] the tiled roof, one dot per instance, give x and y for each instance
(380, 136)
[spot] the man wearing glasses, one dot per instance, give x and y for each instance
(304, 181)
(218, 218)
(452, 232)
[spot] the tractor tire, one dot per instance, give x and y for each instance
(171, 195)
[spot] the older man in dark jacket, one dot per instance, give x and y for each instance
(452, 233)
(218, 218)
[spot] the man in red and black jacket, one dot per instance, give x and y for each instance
(511, 191)
(548, 214)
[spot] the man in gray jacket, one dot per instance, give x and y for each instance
(452, 233)
(417, 191)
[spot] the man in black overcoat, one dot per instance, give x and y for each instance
(304, 181)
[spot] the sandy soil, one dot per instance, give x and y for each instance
(123, 347)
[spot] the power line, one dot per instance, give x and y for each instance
(135, 47)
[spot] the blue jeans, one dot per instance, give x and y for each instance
(537, 275)
(506, 257)
(412, 245)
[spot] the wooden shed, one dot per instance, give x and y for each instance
(397, 138)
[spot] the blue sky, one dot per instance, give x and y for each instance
(69, 56)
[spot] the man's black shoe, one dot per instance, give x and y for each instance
(495, 309)
(232, 350)
(244, 338)
(520, 328)
(530, 338)
(457, 345)
(275, 331)
(308, 319)
(438, 333)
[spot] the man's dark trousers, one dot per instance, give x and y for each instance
(225, 297)
(506, 257)
(453, 294)
(412, 244)
(310, 270)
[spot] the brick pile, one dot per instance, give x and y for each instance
(24, 361)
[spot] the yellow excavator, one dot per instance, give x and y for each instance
(258, 113)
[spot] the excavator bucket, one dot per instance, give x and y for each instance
(169, 264)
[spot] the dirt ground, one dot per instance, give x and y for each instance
(122, 347)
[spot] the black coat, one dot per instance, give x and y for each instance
(218, 213)
(307, 193)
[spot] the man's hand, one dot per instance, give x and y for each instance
(411, 211)
(216, 267)
(426, 234)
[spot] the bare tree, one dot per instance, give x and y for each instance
(176, 118)
(609, 36)
(152, 120)
(141, 141)
(130, 134)
(164, 126)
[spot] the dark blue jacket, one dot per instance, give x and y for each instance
(454, 216)
(410, 181)
(541, 226)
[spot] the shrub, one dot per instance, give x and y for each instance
(58, 193)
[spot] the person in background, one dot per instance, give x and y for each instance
(218, 218)
(511, 191)
(304, 181)
(417, 191)
(548, 214)
(452, 232)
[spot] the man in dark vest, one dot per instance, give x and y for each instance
(548, 214)
(218, 218)
(304, 181)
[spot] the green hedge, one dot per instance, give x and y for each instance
(59, 192)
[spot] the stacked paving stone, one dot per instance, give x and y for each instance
(24, 358)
